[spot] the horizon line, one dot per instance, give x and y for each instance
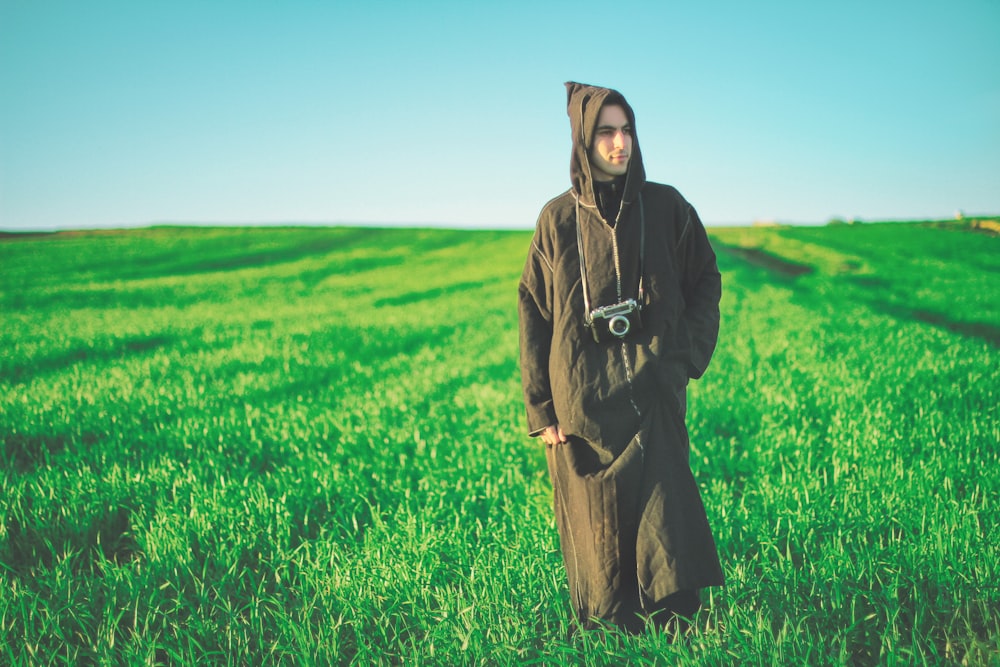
(757, 222)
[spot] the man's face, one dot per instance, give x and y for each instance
(612, 146)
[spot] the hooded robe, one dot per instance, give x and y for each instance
(631, 522)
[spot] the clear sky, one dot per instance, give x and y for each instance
(453, 112)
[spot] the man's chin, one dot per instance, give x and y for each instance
(608, 171)
(619, 168)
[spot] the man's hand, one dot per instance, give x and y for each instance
(553, 435)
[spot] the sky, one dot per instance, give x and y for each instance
(453, 113)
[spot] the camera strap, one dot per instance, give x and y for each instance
(583, 261)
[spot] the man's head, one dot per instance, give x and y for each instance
(612, 144)
(605, 143)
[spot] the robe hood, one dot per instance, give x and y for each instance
(583, 106)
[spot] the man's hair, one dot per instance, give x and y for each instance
(614, 99)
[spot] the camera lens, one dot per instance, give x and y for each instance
(619, 325)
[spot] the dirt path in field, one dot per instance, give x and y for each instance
(764, 259)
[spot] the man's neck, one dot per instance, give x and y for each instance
(609, 197)
(613, 183)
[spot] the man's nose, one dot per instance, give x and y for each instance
(619, 139)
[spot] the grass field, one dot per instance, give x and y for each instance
(306, 446)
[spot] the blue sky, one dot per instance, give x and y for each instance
(131, 113)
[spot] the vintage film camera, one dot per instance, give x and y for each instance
(615, 321)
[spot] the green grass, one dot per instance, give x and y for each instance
(305, 446)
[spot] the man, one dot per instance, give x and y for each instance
(619, 307)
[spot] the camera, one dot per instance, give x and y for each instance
(615, 321)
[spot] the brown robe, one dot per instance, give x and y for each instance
(631, 522)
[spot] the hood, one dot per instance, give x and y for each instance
(583, 105)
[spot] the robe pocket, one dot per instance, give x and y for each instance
(673, 380)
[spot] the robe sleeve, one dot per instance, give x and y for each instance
(701, 285)
(535, 333)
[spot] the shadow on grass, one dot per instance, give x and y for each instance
(23, 452)
(435, 293)
(22, 371)
(35, 542)
(350, 266)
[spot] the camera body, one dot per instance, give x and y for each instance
(614, 322)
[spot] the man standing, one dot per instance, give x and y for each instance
(619, 308)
